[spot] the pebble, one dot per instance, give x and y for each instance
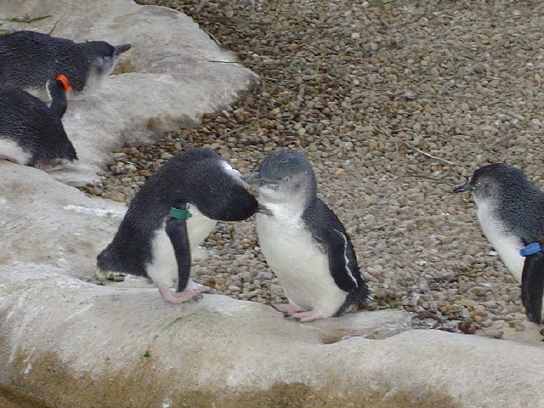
(394, 106)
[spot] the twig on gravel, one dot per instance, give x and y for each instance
(305, 149)
(428, 154)
(230, 132)
(438, 180)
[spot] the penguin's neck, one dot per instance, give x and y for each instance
(58, 98)
(284, 209)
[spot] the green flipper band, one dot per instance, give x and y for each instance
(180, 214)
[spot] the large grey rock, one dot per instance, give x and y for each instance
(71, 343)
(172, 75)
(46, 222)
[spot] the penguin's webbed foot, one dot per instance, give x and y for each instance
(178, 297)
(306, 317)
(294, 312)
(286, 308)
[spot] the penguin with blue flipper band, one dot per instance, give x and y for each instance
(175, 210)
(303, 241)
(511, 215)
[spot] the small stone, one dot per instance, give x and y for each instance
(114, 196)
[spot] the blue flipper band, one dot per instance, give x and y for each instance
(530, 249)
(180, 214)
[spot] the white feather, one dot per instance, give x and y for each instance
(10, 150)
(163, 268)
(504, 241)
(295, 257)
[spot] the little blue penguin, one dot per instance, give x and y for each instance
(28, 59)
(303, 241)
(32, 133)
(175, 210)
(511, 214)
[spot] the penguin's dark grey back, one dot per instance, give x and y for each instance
(198, 177)
(27, 121)
(28, 59)
(520, 203)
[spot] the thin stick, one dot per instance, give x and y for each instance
(230, 132)
(428, 154)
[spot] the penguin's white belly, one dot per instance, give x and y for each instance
(163, 268)
(12, 151)
(199, 227)
(301, 267)
(505, 243)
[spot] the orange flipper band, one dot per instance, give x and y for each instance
(65, 83)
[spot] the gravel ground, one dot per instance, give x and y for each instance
(395, 103)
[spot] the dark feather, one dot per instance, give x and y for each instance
(327, 229)
(532, 286)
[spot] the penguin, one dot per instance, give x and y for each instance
(31, 133)
(511, 215)
(28, 59)
(303, 241)
(176, 209)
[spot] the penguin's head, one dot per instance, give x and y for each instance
(492, 180)
(103, 56)
(284, 176)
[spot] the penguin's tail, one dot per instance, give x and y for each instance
(357, 296)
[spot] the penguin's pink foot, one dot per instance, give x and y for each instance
(178, 297)
(306, 317)
(286, 308)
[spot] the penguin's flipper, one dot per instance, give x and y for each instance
(176, 229)
(532, 286)
(330, 234)
(339, 254)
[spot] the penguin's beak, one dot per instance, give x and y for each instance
(119, 49)
(463, 187)
(261, 209)
(252, 179)
(256, 181)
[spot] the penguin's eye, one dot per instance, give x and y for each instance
(286, 178)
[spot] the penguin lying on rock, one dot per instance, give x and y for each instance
(176, 209)
(32, 133)
(28, 59)
(511, 214)
(303, 241)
